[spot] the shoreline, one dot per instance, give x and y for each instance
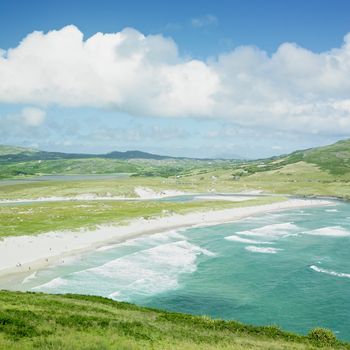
(23, 255)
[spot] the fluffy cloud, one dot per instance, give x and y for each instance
(126, 70)
(293, 89)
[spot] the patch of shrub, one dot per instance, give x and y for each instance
(15, 327)
(322, 336)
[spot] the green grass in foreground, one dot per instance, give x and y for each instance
(31, 219)
(42, 321)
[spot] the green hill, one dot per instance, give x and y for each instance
(25, 162)
(42, 321)
(321, 171)
(11, 150)
(334, 158)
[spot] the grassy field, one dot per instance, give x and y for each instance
(48, 322)
(36, 218)
(301, 178)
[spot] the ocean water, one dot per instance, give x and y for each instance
(290, 268)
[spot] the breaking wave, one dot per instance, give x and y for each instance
(330, 272)
(332, 231)
(273, 230)
(146, 272)
(264, 250)
(245, 240)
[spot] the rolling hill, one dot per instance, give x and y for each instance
(19, 162)
(20, 154)
(42, 321)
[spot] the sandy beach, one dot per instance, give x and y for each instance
(26, 254)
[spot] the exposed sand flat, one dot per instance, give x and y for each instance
(29, 253)
(148, 193)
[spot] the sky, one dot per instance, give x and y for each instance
(250, 79)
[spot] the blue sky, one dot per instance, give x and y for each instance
(232, 86)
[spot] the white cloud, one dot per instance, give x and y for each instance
(127, 71)
(293, 89)
(33, 116)
(204, 21)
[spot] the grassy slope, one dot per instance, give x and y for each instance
(40, 321)
(334, 158)
(323, 171)
(68, 166)
(301, 179)
(10, 150)
(53, 216)
(318, 171)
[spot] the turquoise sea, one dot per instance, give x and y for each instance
(289, 268)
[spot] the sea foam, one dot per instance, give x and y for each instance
(143, 273)
(273, 230)
(330, 272)
(53, 284)
(267, 250)
(151, 271)
(332, 231)
(29, 278)
(236, 238)
(147, 240)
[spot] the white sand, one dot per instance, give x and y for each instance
(24, 253)
(148, 193)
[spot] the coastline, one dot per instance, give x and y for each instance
(23, 255)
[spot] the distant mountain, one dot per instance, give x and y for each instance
(17, 154)
(135, 155)
(334, 158)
